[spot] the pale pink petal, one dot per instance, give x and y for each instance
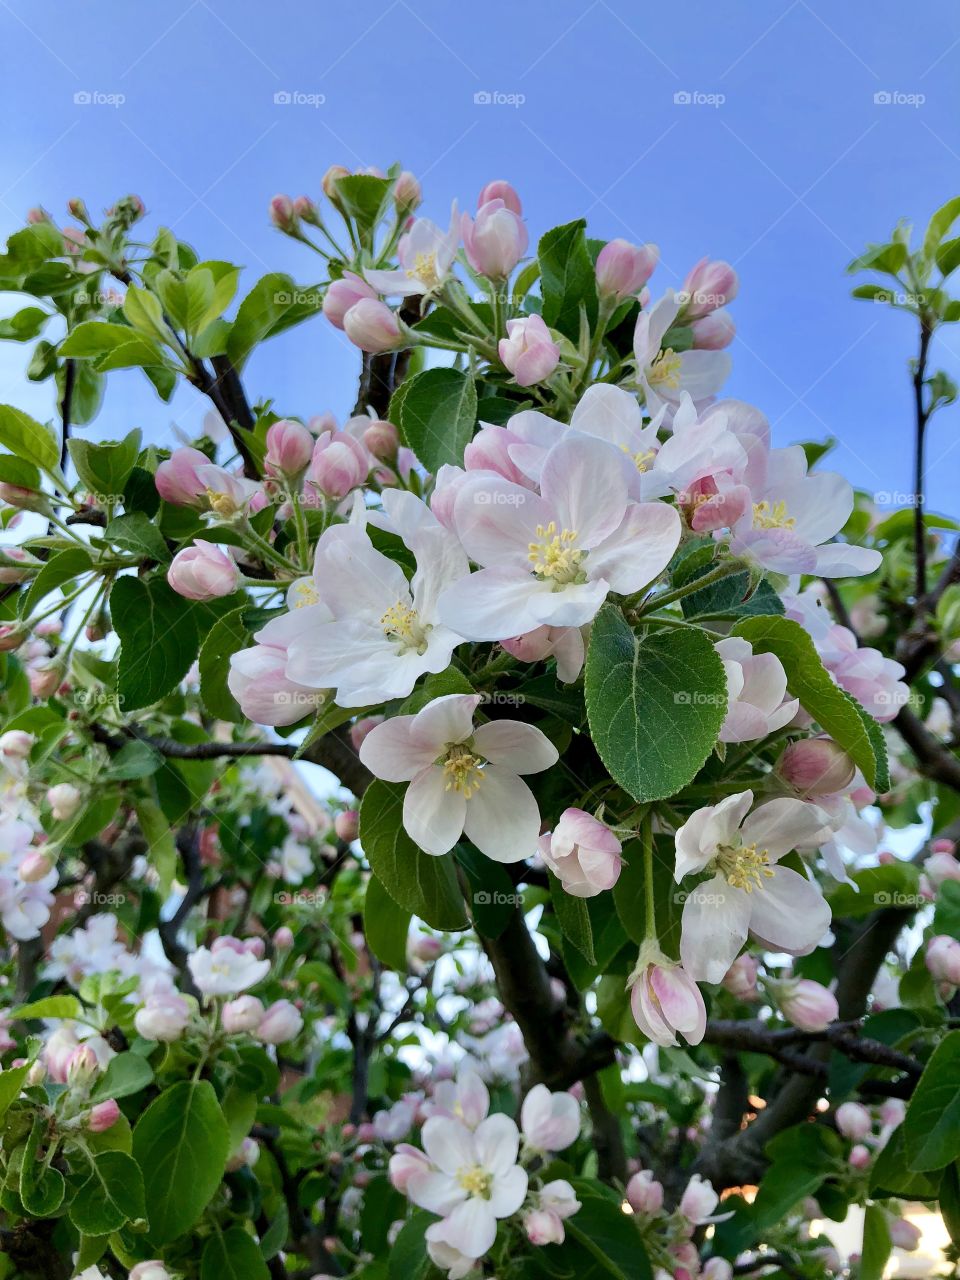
(444, 721)
(639, 550)
(389, 754)
(716, 918)
(789, 913)
(433, 817)
(497, 1142)
(583, 482)
(520, 747)
(502, 818)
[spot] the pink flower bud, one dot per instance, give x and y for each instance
(583, 853)
(741, 978)
(152, 1270)
(528, 352)
(339, 464)
(283, 938)
(816, 767)
(358, 731)
(644, 1193)
(163, 1018)
(713, 332)
(624, 268)
(203, 572)
(496, 241)
(382, 439)
(942, 959)
(243, 1014)
(35, 866)
(82, 1066)
(16, 744)
(64, 801)
(942, 845)
(541, 1226)
(367, 1133)
(717, 1269)
(853, 1121)
(11, 638)
(177, 480)
(940, 867)
(407, 194)
(708, 286)
(45, 679)
(103, 1116)
(330, 179)
(306, 210)
(15, 495)
(347, 825)
(36, 215)
(16, 564)
(904, 1234)
(281, 1022)
(342, 294)
(499, 189)
(859, 1157)
(372, 326)
(892, 1111)
(289, 447)
(699, 1200)
(806, 1003)
(426, 947)
(665, 1000)
(282, 213)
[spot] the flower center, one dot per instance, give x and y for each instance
(556, 556)
(766, 516)
(475, 1180)
(401, 623)
(461, 768)
(745, 866)
(305, 593)
(222, 504)
(665, 370)
(425, 268)
(641, 460)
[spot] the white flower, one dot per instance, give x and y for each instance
(467, 1100)
(296, 861)
(666, 374)
(757, 692)
(426, 254)
(475, 1180)
(462, 779)
(550, 1121)
(748, 892)
(223, 970)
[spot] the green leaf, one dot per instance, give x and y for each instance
(573, 918)
(49, 1007)
(112, 1196)
(104, 469)
(893, 885)
(125, 1075)
(363, 197)
(950, 1201)
(931, 1130)
(273, 304)
(11, 1082)
(611, 1235)
(408, 1256)
(24, 325)
(225, 638)
(56, 572)
(158, 638)
(809, 680)
(232, 1255)
(568, 280)
(145, 313)
(385, 926)
(939, 225)
(94, 338)
(181, 1141)
(876, 1243)
(136, 532)
(425, 885)
(891, 1177)
(436, 416)
(28, 439)
(655, 704)
(42, 1187)
(727, 597)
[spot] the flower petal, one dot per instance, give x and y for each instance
(433, 817)
(502, 818)
(520, 747)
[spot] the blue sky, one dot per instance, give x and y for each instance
(786, 165)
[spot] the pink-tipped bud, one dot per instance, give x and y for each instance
(283, 938)
(203, 572)
(36, 215)
(15, 495)
(344, 293)
(382, 439)
(347, 825)
(359, 731)
(372, 326)
(528, 351)
(709, 286)
(11, 638)
(942, 958)
(281, 1022)
(330, 179)
(859, 1157)
(407, 193)
(904, 1234)
(942, 845)
(816, 767)
(500, 189)
(150, 1270)
(35, 867)
(853, 1121)
(45, 679)
(339, 464)
(806, 1004)
(699, 1200)
(243, 1014)
(644, 1193)
(17, 744)
(496, 241)
(741, 978)
(426, 948)
(624, 268)
(306, 210)
(665, 1000)
(64, 801)
(940, 867)
(289, 448)
(82, 1066)
(713, 332)
(282, 213)
(103, 1116)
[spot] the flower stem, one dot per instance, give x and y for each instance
(725, 570)
(646, 838)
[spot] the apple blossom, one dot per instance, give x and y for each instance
(467, 1099)
(583, 853)
(942, 958)
(805, 1003)
(816, 767)
(528, 351)
(550, 1121)
(243, 1014)
(406, 1162)
(341, 294)
(699, 1200)
(258, 676)
(757, 692)
(859, 1157)
(644, 1193)
(339, 464)
(372, 326)
(542, 1227)
(713, 332)
(748, 892)
(494, 242)
(426, 255)
(103, 1116)
(624, 268)
(566, 645)
(222, 970)
(708, 285)
(64, 800)
(150, 1270)
(203, 572)
(178, 481)
(664, 1000)
(500, 189)
(289, 447)
(741, 978)
(281, 1023)
(664, 374)
(552, 559)
(163, 1018)
(904, 1234)
(446, 1256)
(475, 1181)
(853, 1121)
(462, 779)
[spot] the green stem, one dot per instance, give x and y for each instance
(646, 836)
(725, 570)
(681, 624)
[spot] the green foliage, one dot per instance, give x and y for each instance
(435, 412)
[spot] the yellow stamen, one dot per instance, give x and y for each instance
(223, 504)
(665, 370)
(402, 623)
(425, 268)
(640, 460)
(745, 866)
(475, 1181)
(766, 516)
(304, 593)
(556, 555)
(462, 771)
